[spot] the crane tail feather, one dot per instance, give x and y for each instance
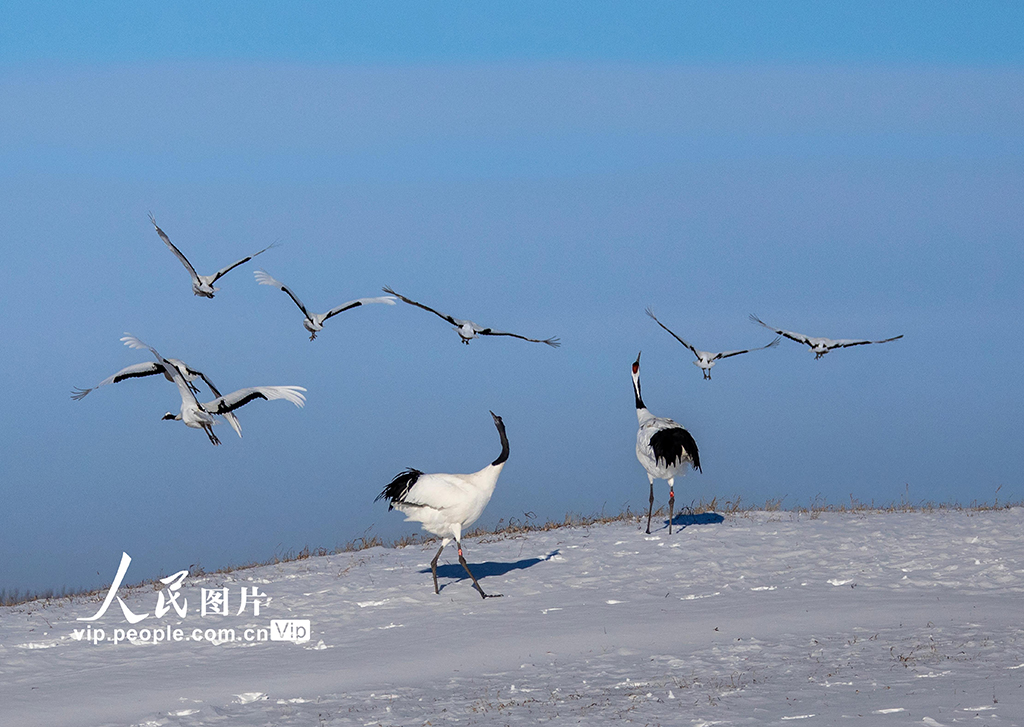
(399, 487)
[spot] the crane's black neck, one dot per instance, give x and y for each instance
(504, 442)
(636, 394)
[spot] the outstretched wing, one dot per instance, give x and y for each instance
(688, 345)
(553, 342)
(386, 299)
(176, 251)
(183, 388)
(232, 266)
(798, 337)
(132, 342)
(727, 354)
(129, 372)
(236, 399)
(232, 419)
(846, 343)
(448, 318)
(263, 278)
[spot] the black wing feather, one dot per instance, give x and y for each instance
(387, 289)
(223, 271)
(553, 342)
(137, 375)
(224, 407)
(399, 487)
(209, 383)
(671, 445)
(331, 314)
(79, 394)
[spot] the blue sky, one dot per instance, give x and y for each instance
(850, 170)
(395, 33)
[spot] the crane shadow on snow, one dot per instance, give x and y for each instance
(684, 520)
(486, 568)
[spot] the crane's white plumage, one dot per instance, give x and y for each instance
(706, 359)
(314, 322)
(202, 416)
(152, 368)
(468, 330)
(202, 285)
(818, 344)
(444, 504)
(663, 447)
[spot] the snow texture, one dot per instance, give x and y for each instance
(753, 619)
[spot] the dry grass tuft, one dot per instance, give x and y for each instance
(821, 505)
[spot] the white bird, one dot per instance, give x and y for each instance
(820, 345)
(468, 329)
(314, 322)
(445, 504)
(201, 416)
(663, 447)
(202, 284)
(151, 368)
(707, 359)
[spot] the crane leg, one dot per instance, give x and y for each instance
(466, 566)
(650, 506)
(433, 567)
(671, 504)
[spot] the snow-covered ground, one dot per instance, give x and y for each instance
(758, 618)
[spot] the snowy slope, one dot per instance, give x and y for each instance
(762, 618)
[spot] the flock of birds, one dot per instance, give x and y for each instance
(443, 504)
